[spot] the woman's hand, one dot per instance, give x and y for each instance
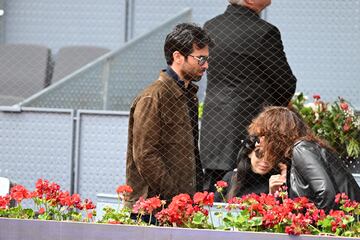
(278, 180)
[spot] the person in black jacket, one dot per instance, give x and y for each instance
(248, 70)
(253, 173)
(314, 169)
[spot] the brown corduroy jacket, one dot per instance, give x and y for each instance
(160, 154)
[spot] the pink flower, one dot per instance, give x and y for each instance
(346, 127)
(344, 106)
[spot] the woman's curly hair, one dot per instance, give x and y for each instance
(281, 129)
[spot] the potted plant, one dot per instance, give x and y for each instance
(334, 122)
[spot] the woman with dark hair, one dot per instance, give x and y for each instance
(253, 174)
(314, 170)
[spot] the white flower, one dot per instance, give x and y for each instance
(357, 123)
(312, 105)
(349, 113)
(316, 107)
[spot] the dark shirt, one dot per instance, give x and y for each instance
(255, 183)
(192, 103)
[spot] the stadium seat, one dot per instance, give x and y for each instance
(71, 58)
(24, 70)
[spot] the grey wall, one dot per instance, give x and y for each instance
(37, 143)
(148, 14)
(321, 39)
(2, 30)
(100, 153)
(89, 22)
(67, 22)
(83, 153)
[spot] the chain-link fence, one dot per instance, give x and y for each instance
(100, 56)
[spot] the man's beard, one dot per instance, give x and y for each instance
(191, 77)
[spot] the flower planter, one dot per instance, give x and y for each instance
(15, 229)
(288, 221)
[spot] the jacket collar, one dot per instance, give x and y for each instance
(237, 9)
(297, 142)
(171, 83)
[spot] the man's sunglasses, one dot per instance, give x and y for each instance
(201, 59)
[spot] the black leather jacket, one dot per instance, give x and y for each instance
(319, 174)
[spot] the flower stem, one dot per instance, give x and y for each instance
(150, 219)
(119, 202)
(222, 196)
(315, 229)
(211, 220)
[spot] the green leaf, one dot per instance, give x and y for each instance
(28, 213)
(256, 221)
(348, 220)
(325, 222)
(199, 218)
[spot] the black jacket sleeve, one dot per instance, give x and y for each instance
(309, 176)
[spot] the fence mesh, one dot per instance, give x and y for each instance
(183, 139)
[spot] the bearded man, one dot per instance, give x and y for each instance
(163, 155)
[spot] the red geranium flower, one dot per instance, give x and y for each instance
(124, 189)
(89, 215)
(65, 199)
(42, 187)
(88, 204)
(147, 206)
(4, 201)
(205, 198)
(221, 184)
(181, 200)
(19, 193)
(75, 198)
(113, 222)
(41, 210)
(316, 96)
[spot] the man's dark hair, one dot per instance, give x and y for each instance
(182, 38)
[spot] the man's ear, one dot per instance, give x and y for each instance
(178, 57)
